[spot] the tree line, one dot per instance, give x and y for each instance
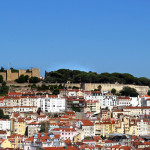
(126, 91)
(76, 76)
(25, 78)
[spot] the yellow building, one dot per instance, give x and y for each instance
(116, 113)
(133, 130)
(77, 138)
(5, 143)
(126, 125)
(108, 126)
(16, 141)
(132, 111)
(97, 128)
(19, 126)
(92, 106)
(105, 114)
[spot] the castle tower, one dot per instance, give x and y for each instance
(8, 75)
(36, 72)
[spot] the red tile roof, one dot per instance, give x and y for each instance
(87, 123)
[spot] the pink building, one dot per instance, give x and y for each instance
(65, 133)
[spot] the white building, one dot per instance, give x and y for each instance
(123, 101)
(145, 100)
(87, 127)
(135, 101)
(143, 127)
(104, 100)
(5, 124)
(108, 101)
(51, 104)
(25, 109)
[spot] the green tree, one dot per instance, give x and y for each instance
(14, 70)
(2, 69)
(26, 132)
(75, 87)
(33, 86)
(4, 89)
(34, 80)
(1, 78)
(42, 129)
(99, 87)
(88, 137)
(76, 76)
(55, 115)
(1, 114)
(103, 137)
(22, 79)
(128, 91)
(76, 109)
(113, 91)
(148, 93)
(55, 92)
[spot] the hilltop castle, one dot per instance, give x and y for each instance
(9, 75)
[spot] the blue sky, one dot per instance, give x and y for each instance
(101, 36)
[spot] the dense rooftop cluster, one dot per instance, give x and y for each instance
(74, 119)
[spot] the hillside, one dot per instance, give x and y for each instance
(76, 76)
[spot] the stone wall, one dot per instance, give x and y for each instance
(36, 72)
(3, 74)
(107, 87)
(22, 71)
(29, 74)
(12, 76)
(8, 75)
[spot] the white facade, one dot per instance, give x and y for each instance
(146, 110)
(143, 128)
(109, 101)
(87, 128)
(24, 109)
(5, 125)
(88, 131)
(105, 101)
(52, 104)
(135, 101)
(123, 101)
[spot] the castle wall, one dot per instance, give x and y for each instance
(9, 76)
(22, 72)
(108, 87)
(3, 74)
(14, 76)
(29, 74)
(142, 90)
(35, 72)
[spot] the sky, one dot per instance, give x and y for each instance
(88, 35)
